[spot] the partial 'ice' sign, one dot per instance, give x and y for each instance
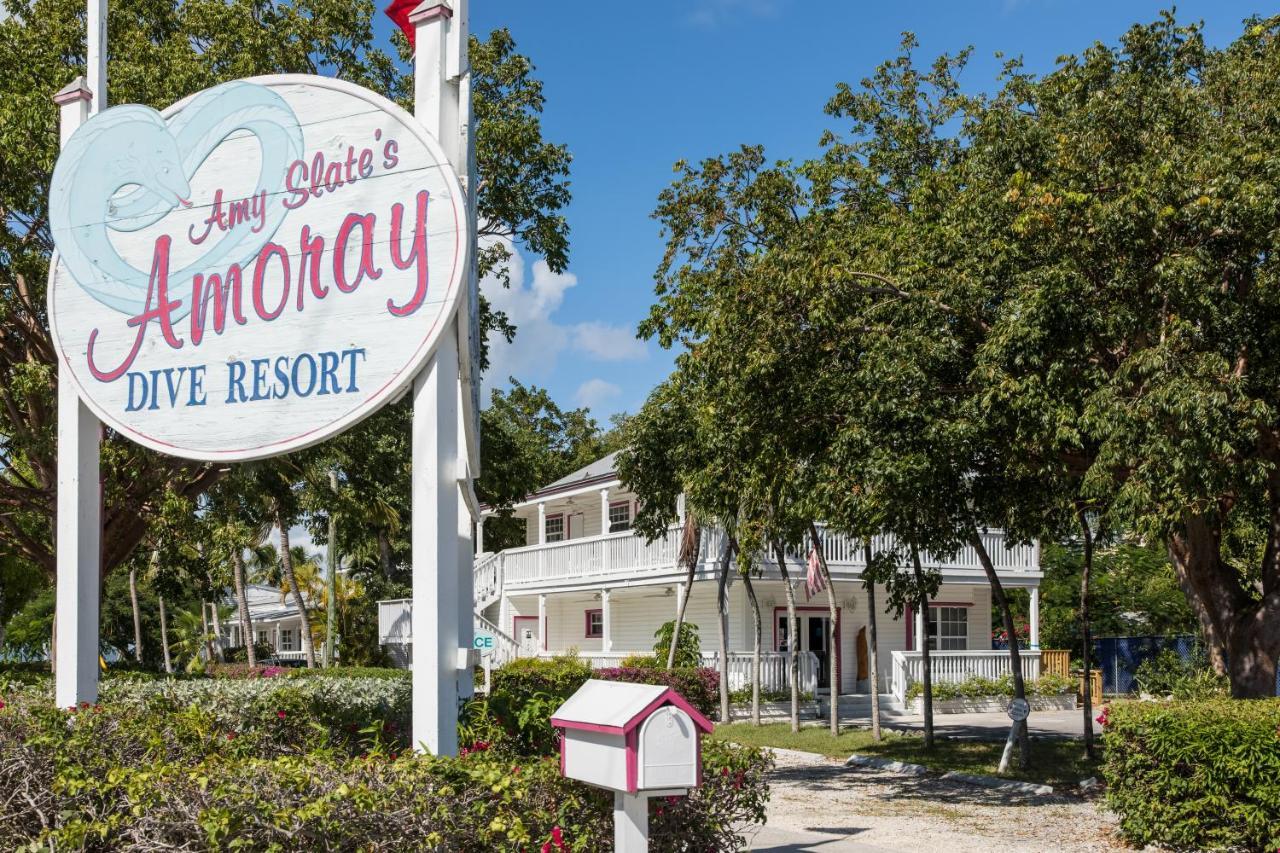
(256, 268)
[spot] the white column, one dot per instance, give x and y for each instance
(604, 511)
(480, 535)
(542, 621)
(680, 508)
(920, 636)
(504, 615)
(542, 523)
(96, 59)
(1035, 617)
(435, 502)
(606, 613)
(441, 617)
(79, 500)
(630, 823)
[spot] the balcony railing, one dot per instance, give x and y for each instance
(626, 555)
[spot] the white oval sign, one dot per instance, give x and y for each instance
(256, 268)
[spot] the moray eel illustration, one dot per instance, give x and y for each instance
(127, 168)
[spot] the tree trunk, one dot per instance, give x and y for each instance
(331, 579)
(1001, 601)
(690, 549)
(286, 569)
(164, 637)
(793, 633)
(722, 614)
(875, 648)
(1242, 632)
(137, 615)
(204, 625)
(755, 650)
(384, 553)
(926, 666)
(833, 633)
(1087, 687)
(242, 605)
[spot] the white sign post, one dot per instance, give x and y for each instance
(256, 269)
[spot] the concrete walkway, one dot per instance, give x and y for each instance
(856, 710)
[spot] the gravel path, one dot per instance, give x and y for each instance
(821, 805)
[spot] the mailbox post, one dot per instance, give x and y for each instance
(637, 740)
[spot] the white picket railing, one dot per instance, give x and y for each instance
(955, 666)
(487, 577)
(774, 671)
(506, 648)
(627, 555)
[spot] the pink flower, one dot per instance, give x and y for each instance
(1, 706)
(231, 735)
(1104, 716)
(281, 714)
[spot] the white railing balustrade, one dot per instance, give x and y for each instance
(625, 555)
(956, 666)
(487, 580)
(774, 671)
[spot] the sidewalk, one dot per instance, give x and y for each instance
(856, 710)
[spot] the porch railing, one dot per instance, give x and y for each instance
(487, 580)
(956, 666)
(774, 672)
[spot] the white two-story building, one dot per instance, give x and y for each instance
(585, 582)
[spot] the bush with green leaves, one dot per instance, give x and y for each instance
(688, 648)
(1167, 674)
(976, 687)
(526, 691)
(142, 770)
(1195, 775)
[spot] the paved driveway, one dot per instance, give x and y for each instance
(820, 805)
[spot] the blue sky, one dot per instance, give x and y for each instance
(633, 87)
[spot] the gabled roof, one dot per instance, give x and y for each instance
(602, 467)
(617, 707)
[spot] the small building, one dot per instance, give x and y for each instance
(276, 623)
(584, 581)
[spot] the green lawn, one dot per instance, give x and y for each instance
(1060, 763)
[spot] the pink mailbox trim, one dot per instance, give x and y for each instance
(631, 732)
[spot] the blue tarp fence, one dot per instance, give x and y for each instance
(1120, 657)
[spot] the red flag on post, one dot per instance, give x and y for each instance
(398, 11)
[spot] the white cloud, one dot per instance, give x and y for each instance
(596, 394)
(529, 305)
(607, 342)
(709, 14)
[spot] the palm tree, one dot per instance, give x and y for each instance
(190, 638)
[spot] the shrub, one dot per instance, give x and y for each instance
(688, 648)
(647, 661)
(699, 685)
(240, 654)
(527, 691)
(1167, 674)
(976, 687)
(1195, 775)
(146, 775)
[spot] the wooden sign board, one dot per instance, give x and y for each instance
(254, 269)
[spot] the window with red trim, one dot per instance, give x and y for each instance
(594, 624)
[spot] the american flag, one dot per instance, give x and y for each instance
(813, 582)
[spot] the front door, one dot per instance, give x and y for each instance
(815, 636)
(526, 629)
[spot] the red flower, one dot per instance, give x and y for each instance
(280, 714)
(393, 756)
(1104, 716)
(231, 735)
(1, 706)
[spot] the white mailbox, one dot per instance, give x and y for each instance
(630, 738)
